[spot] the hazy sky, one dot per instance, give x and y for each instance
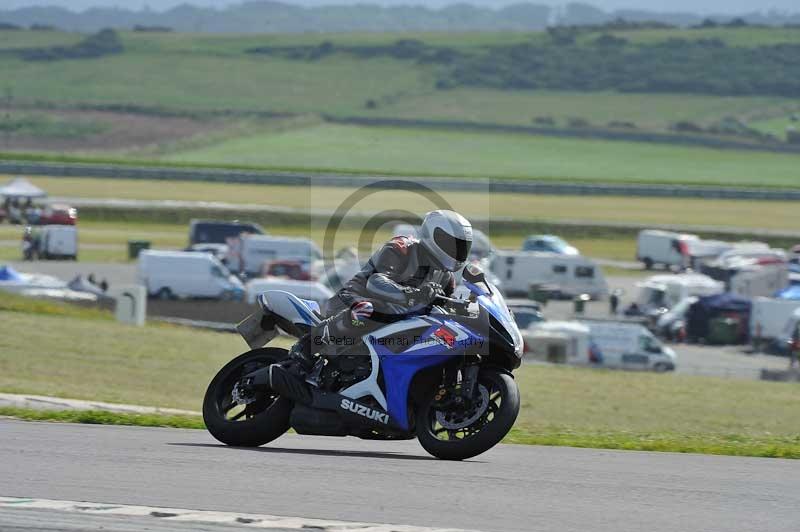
(695, 6)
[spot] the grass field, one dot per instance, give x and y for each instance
(684, 211)
(420, 152)
(209, 73)
(646, 111)
(88, 356)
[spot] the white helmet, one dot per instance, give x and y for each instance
(448, 238)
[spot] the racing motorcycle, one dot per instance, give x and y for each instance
(443, 377)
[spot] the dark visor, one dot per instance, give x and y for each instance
(455, 247)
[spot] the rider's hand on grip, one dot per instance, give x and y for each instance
(425, 294)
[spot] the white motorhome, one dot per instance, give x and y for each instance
(769, 316)
(789, 330)
(187, 274)
(700, 251)
(665, 291)
(310, 290)
(558, 342)
(656, 247)
(569, 275)
(253, 251)
(629, 346)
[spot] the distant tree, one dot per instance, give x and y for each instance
(544, 120)
(685, 126)
(578, 122)
(618, 124)
(737, 22)
(371, 104)
(607, 39)
(6, 26)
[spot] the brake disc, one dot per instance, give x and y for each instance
(459, 419)
(240, 397)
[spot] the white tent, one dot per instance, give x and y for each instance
(21, 188)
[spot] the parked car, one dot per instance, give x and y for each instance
(526, 312)
(671, 324)
(548, 244)
(567, 275)
(58, 214)
(187, 274)
(219, 232)
(665, 248)
(287, 269)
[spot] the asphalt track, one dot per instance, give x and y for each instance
(511, 488)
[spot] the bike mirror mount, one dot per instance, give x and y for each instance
(473, 274)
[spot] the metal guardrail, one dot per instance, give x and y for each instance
(437, 183)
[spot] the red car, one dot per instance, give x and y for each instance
(58, 214)
(288, 269)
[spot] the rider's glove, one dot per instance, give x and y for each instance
(424, 295)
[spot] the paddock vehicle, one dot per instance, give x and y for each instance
(567, 275)
(187, 274)
(443, 377)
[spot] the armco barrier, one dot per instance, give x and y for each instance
(437, 183)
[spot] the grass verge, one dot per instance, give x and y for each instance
(721, 444)
(81, 357)
(99, 417)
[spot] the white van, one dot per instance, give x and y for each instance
(254, 250)
(665, 291)
(58, 242)
(187, 274)
(569, 275)
(629, 346)
(769, 316)
(310, 290)
(666, 248)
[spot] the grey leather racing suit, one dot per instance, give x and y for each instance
(400, 278)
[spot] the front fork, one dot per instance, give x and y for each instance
(454, 394)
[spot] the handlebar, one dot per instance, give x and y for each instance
(461, 304)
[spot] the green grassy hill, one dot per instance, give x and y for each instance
(230, 86)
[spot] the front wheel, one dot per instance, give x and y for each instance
(245, 419)
(458, 434)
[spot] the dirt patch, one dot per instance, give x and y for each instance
(118, 131)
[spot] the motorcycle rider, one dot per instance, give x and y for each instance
(403, 277)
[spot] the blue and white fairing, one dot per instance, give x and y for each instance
(432, 340)
(490, 299)
(439, 340)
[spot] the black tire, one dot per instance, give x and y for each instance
(648, 263)
(263, 421)
(492, 426)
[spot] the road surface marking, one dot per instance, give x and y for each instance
(202, 516)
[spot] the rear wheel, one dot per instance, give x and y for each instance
(240, 417)
(457, 434)
(648, 263)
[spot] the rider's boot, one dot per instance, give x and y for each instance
(301, 356)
